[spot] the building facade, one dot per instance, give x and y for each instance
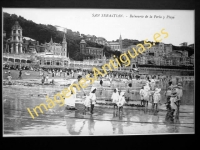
(162, 55)
(97, 53)
(116, 46)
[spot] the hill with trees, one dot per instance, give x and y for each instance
(43, 33)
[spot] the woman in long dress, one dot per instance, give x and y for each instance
(142, 95)
(121, 102)
(92, 98)
(173, 100)
(146, 94)
(70, 101)
(157, 98)
(115, 97)
(87, 102)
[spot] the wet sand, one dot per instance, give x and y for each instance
(104, 121)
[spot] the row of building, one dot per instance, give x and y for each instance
(115, 46)
(162, 55)
(18, 49)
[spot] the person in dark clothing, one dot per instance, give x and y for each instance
(92, 97)
(20, 73)
(101, 82)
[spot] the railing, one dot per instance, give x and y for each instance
(25, 56)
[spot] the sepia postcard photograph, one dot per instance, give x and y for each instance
(97, 72)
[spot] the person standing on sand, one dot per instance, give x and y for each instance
(115, 97)
(70, 101)
(128, 92)
(60, 72)
(20, 74)
(9, 78)
(101, 82)
(146, 93)
(43, 79)
(72, 74)
(47, 78)
(157, 98)
(92, 98)
(179, 91)
(121, 102)
(142, 96)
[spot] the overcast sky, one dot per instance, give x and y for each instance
(180, 28)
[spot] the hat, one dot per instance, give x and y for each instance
(122, 93)
(157, 90)
(92, 89)
(173, 93)
(79, 76)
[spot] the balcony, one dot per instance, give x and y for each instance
(16, 34)
(16, 41)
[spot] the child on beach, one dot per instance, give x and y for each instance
(128, 92)
(142, 95)
(47, 77)
(121, 102)
(43, 79)
(115, 97)
(146, 93)
(156, 98)
(92, 98)
(173, 100)
(168, 93)
(179, 91)
(9, 78)
(101, 82)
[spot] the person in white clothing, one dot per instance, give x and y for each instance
(142, 95)
(146, 93)
(47, 78)
(115, 97)
(157, 98)
(173, 100)
(87, 103)
(70, 101)
(179, 91)
(92, 97)
(121, 101)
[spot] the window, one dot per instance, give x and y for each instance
(19, 31)
(48, 62)
(14, 31)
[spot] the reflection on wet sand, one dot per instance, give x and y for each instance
(18, 122)
(71, 125)
(91, 124)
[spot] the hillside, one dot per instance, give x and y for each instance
(43, 33)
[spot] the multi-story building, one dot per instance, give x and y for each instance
(161, 54)
(20, 50)
(116, 46)
(192, 59)
(56, 48)
(97, 53)
(16, 39)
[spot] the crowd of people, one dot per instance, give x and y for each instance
(150, 92)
